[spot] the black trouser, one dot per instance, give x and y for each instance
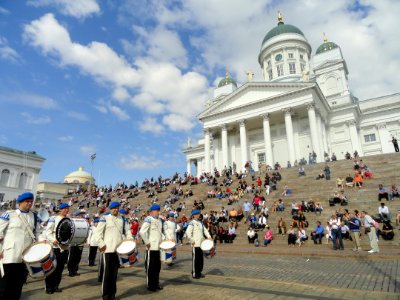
(110, 273)
(75, 255)
(153, 267)
(101, 268)
(54, 279)
(92, 255)
(197, 261)
(13, 280)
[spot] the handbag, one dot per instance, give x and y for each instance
(367, 230)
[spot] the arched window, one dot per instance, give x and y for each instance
(23, 178)
(5, 175)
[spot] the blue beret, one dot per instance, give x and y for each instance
(78, 212)
(154, 207)
(25, 196)
(107, 213)
(195, 212)
(122, 211)
(171, 214)
(96, 221)
(63, 205)
(114, 204)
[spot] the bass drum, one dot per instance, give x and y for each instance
(72, 231)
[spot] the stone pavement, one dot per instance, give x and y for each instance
(245, 276)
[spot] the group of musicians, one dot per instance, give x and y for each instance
(18, 232)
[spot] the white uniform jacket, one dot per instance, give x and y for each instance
(152, 232)
(196, 233)
(50, 231)
(170, 229)
(15, 235)
(91, 240)
(110, 232)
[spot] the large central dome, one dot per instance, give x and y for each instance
(281, 28)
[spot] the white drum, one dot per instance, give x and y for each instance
(168, 252)
(39, 259)
(72, 231)
(208, 248)
(128, 253)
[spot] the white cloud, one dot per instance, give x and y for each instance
(33, 100)
(120, 94)
(119, 112)
(6, 52)
(150, 124)
(77, 115)
(28, 118)
(101, 108)
(137, 162)
(4, 11)
(87, 149)
(96, 59)
(67, 138)
(75, 8)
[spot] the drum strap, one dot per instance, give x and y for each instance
(28, 228)
(116, 225)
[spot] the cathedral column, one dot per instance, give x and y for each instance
(320, 153)
(267, 141)
(385, 138)
(224, 140)
(355, 141)
(313, 130)
(289, 134)
(188, 167)
(324, 137)
(243, 143)
(207, 167)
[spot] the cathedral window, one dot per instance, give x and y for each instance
(5, 175)
(370, 138)
(23, 178)
(279, 70)
(302, 67)
(292, 68)
(270, 74)
(290, 55)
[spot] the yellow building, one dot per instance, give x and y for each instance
(79, 177)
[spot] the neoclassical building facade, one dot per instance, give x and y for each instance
(19, 172)
(302, 105)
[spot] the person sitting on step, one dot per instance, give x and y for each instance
(318, 233)
(382, 193)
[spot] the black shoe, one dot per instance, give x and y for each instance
(151, 289)
(49, 291)
(71, 274)
(57, 290)
(159, 287)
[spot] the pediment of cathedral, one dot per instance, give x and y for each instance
(252, 93)
(328, 64)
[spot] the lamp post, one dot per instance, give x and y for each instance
(92, 158)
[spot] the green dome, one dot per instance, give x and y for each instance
(281, 28)
(326, 46)
(227, 80)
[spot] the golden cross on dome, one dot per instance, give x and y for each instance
(226, 72)
(280, 18)
(325, 38)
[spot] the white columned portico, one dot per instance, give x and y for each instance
(207, 167)
(289, 134)
(319, 136)
(355, 142)
(224, 140)
(188, 162)
(385, 138)
(243, 142)
(313, 130)
(324, 137)
(267, 141)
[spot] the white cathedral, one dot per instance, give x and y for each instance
(304, 104)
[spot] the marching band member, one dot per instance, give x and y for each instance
(195, 233)
(17, 232)
(170, 229)
(109, 234)
(75, 252)
(60, 251)
(92, 244)
(152, 235)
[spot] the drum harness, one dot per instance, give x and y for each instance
(25, 222)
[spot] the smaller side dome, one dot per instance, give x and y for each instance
(326, 46)
(227, 80)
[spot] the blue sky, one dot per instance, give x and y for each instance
(126, 79)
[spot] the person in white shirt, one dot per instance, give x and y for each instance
(369, 226)
(152, 235)
(384, 213)
(109, 234)
(337, 241)
(93, 246)
(17, 232)
(251, 235)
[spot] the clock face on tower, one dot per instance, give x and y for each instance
(278, 57)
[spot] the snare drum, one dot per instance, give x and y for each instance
(168, 252)
(208, 248)
(128, 253)
(72, 231)
(39, 259)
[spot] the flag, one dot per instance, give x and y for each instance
(93, 156)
